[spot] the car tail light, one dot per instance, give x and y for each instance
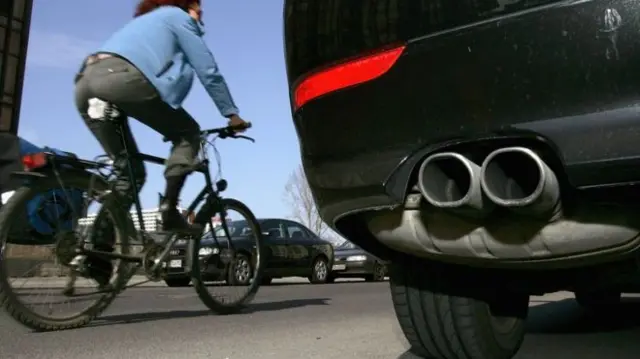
(34, 161)
(346, 74)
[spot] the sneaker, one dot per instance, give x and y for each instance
(174, 221)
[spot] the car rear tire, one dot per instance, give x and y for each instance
(379, 272)
(319, 271)
(598, 300)
(440, 320)
(178, 282)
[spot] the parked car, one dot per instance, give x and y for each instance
(487, 149)
(292, 250)
(352, 261)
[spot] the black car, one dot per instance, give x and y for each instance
(292, 250)
(488, 149)
(352, 261)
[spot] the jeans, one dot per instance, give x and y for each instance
(116, 81)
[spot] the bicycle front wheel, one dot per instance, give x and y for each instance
(229, 258)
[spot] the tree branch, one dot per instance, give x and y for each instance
(299, 198)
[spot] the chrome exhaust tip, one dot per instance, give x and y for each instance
(450, 180)
(516, 177)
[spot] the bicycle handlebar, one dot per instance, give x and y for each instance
(224, 132)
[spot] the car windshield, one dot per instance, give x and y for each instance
(347, 245)
(236, 229)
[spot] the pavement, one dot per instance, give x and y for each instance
(299, 321)
(136, 280)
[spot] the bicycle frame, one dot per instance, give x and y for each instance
(210, 194)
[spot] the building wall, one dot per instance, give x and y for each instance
(150, 217)
(15, 19)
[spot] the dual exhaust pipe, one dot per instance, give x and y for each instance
(513, 177)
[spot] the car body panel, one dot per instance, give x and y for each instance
(299, 243)
(559, 75)
(276, 248)
(462, 97)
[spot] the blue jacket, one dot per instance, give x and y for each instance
(166, 45)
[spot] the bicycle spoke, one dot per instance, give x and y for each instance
(229, 261)
(45, 283)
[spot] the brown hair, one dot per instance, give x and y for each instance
(146, 6)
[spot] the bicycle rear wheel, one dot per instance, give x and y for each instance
(229, 257)
(22, 243)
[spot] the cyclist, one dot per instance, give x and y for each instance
(146, 70)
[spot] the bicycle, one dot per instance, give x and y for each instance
(47, 171)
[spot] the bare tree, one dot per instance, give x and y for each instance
(299, 198)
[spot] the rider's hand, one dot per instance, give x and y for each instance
(237, 122)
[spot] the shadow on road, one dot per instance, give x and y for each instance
(282, 284)
(566, 317)
(177, 314)
(351, 282)
(285, 304)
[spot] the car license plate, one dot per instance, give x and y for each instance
(175, 263)
(339, 267)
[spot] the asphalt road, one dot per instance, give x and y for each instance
(343, 320)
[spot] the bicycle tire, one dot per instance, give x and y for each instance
(9, 299)
(207, 299)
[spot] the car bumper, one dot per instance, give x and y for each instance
(345, 269)
(211, 268)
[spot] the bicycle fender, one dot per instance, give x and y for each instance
(27, 174)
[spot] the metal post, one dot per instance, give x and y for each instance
(22, 64)
(5, 56)
(25, 23)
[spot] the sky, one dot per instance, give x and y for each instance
(245, 36)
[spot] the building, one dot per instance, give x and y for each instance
(15, 20)
(150, 217)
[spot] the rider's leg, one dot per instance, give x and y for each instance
(115, 81)
(107, 81)
(118, 82)
(179, 165)
(114, 137)
(184, 133)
